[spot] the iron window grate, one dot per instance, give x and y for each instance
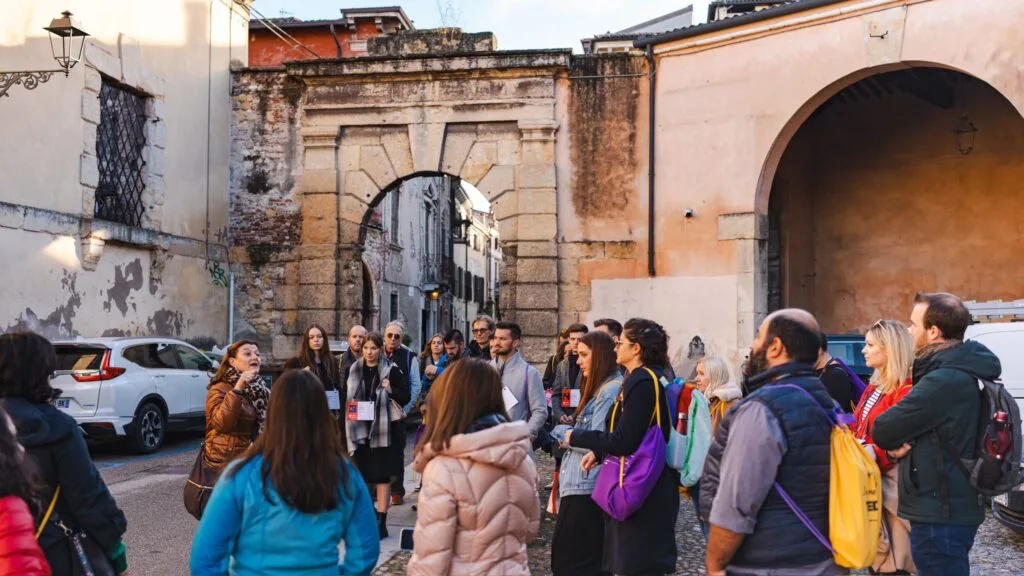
(120, 140)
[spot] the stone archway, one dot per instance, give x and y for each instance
(495, 129)
(876, 197)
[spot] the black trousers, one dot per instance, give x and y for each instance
(398, 482)
(578, 544)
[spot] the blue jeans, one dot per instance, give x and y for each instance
(941, 549)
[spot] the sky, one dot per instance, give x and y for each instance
(518, 24)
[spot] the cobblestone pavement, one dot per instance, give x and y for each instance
(997, 550)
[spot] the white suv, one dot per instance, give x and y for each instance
(134, 387)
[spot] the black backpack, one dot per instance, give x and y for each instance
(988, 475)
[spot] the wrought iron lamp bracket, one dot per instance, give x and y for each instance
(28, 78)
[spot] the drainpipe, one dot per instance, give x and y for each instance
(650, 163)
(231, 307)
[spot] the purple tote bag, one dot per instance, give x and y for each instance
(625, 482)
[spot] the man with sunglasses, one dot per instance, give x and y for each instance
(483, 331)
(406, 361)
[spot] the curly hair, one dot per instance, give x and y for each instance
(18, 476)
(27, 360)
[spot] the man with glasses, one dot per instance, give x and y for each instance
(406, 361)
(483, 331)
(356, 337)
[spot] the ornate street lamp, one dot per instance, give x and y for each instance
(71, 48)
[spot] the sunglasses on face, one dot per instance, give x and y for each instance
(392, 336)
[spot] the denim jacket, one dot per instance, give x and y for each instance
(572, 480)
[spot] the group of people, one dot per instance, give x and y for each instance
(288, 494)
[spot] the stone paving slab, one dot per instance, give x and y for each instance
(997, 550)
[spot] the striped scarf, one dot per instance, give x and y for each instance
(376, 433)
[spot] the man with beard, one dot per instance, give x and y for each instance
(779, 435)
(522, 387)
(356, 337)
(936, 423)
(454, 345)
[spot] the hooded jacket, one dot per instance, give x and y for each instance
(721, 399)
(19, 553)
(478, 508)
(57, 447)
(945, 399)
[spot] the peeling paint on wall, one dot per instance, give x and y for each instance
(165, 322)
(126, 281)
(56, 324)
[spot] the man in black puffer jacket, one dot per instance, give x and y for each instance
(57, 447)
(943, 407)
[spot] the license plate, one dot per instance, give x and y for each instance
(62, 403)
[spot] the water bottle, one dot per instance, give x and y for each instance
(999, 443)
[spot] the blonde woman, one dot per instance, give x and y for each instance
(717, 385)
(889, 349)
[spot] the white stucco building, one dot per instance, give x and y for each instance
(114, 180)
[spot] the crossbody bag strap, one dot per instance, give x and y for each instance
(49, 512)
(803, 518)
(657, 401)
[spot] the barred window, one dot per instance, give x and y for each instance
(120, 139)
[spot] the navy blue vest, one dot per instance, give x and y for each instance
(780, 540)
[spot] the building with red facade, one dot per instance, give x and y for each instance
(278, 40)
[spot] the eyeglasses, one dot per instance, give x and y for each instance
(393, 336)
(479, 330)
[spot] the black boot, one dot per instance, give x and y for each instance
(382, 524)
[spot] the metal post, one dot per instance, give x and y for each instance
(231, 308)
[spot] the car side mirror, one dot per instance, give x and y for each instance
(206, 366)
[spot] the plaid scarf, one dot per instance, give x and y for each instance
(376, 433)
(256, 393)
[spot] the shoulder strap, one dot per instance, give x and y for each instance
(49, 512)
(803, 518)
(657, 400)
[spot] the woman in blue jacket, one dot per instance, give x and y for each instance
(578, 544)
(286, 504)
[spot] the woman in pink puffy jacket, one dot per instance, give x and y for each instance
(478, 508)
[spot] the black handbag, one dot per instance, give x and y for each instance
(200, 484)
(87, 558)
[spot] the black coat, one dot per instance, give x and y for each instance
(57, 447)
(645, 543)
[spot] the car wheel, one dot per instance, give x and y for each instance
(150, 427)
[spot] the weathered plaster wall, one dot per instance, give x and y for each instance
(896, 209)
(55, 253)
(131, 292)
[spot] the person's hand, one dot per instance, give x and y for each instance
(899, 452)
(245, 379)
(430, 371)
(589, 462)
(386, 385)
(566, 419)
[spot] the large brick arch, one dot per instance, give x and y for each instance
(358, 149)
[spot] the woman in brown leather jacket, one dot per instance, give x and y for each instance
(236, 405)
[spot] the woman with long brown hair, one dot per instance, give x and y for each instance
(579, 530)
(236, 405)
(432, 360)
(478, 509)
(315, 355)
(286, 504)
(374, 442)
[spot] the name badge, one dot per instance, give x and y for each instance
(360, 411)
(333, 400)
(570, 398)
(510, 399)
